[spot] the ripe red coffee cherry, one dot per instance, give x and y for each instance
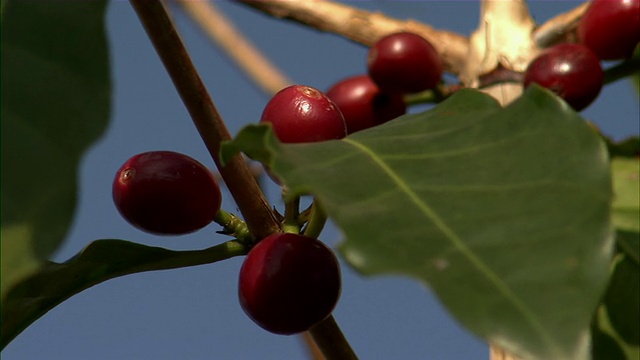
(363, 104)
(611, 28)
(570, 70)
(166, 193)
(404, 63)
(288, 283)
(302, 114)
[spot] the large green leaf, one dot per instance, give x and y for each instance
(505, 213)
(55, 103)
(626, 184)
(99, 261)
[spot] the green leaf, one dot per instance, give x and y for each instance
(55, 103)
(626, 185)
(629, 245)
(605, 346)
(619, 315)
(622, 300)
(99, 261)
(629, 147)
(505, 213)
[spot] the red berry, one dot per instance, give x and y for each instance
(611, 28)
(166, 193)
(288, 283)
(363, 104)
(404, 63)
(302, 114)
(570, 70)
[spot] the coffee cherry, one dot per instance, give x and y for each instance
(166, 193)
(288, 283)
(302, 114)
(570, 70)
(404, 63)
(363, 104)
(611, 28)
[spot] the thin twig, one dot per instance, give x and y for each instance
(247, 56)
(560, 28)
(245, 190)
(365, 27)
(311, 346)
(236, 174)
(331, 341)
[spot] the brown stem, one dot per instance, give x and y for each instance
(236, 174)
(331, 341)
(314, 351)
(222, 31)
(365, 27)
(245, 190)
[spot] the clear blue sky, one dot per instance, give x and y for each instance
(193, 313)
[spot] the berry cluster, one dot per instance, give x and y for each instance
(290, 282)
(608, 30)
(398, 64)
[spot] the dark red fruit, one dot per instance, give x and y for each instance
(288, 283)
(611, 28)
(363, 104)
(166, 193)
(302, 114)
(570, 70)
(404, 63)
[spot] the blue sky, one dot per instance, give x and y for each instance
(193, 313)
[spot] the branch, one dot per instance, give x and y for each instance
(236, 174)
(365, 27)
(560, 28)
(503, 38)
(331, 341)
(244, 188)
(237, 47)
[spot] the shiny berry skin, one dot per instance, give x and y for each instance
(363, 104)
(611, 28)
(166, 193)
(288, 283)
(404, 63)
(302, 114)
(572, 71)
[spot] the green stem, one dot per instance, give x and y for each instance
(234, 226)
(436, 95)
(316, 222)
(291, 213)
(622, 70)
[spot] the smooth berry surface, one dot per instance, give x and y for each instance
(404, 63)
(572, 71)
(288, 283)
(166, 193)
(363, 104)
(611, 28)
(303, 114)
